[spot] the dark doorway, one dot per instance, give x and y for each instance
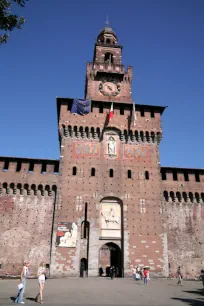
(110, 255)
(83, 267)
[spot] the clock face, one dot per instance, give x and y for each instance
(109, 88)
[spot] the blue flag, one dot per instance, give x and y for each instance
(81, 107)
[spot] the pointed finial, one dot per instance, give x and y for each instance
(107, 21)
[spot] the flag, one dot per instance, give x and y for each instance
(110, 116)
(81, 107)
(134, 118)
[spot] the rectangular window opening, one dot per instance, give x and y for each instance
(175, 176)
(6, 166)
(1, 266)
(31, 167)
(121, 110)
(101, 109)
(18, 168)
(142, 114)
(163, 174)
(47, 266)
(43, 170)
(197, 177)
(186, 178)
(152, 114)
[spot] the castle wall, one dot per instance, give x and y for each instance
(183, 215)
(27, 201)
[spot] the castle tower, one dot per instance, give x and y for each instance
(108, 206)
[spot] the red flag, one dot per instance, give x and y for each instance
(110, 116)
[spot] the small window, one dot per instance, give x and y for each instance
(18, 168)
(129, 174)
(121, 110)
(1, 266)
(6, 166)
(186, 178)
(197, 177)
(175, 176)
(152, 114)
(74, 171)
(43, 170)
(111, 173)
(93, 171)
(163, 174)
(31, 167)
(108, 41)
(142, 112)
(101, 109)
(146, 175)
(47, 266)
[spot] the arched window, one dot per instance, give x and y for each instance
(108, 58)
(197, 197)
(191, 196)
(178, 195)
(74, 170)
(129, 174)
(93, 171)
(111, 173)
(146, 175)
(172, 196)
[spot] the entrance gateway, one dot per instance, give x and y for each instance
(109, 239)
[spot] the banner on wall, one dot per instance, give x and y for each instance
(66, 235)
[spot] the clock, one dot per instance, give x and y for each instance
(109, 88)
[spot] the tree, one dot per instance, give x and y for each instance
(9, 21)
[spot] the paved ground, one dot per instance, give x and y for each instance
(103, 291)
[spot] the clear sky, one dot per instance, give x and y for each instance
(163, 40)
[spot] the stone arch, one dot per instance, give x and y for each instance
(110, 254)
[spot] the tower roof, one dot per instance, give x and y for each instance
(107, 30)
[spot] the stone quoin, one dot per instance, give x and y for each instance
(106, 201)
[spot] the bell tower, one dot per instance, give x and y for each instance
(106, 77)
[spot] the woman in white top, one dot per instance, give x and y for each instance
(41, 280)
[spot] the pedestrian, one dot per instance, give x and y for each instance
(112, 272)
(180, 276)
(101, 271)
(41, 281)
(134, 273)
(202, 276)
(145, 276)
(24, 274)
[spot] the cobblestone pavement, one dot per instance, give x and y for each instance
(103, 291)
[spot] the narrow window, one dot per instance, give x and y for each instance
(1, 266)
(47, 266)
(152, 114)
(121, 110)
(186, 178)
(146, 175)
(163, 174)
(197, 177)
(56, 168)
(6, 166)
(175, 177)
(142, 112)
(18, 168)
(43, 170)
(31, 167)
(129, 174)
(111, 173)
(108, 41)
(101, 109)
(93, 171)
(74, 171)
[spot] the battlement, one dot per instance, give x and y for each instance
(174, 174)
(29, 165)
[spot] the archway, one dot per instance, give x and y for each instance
(110, 255)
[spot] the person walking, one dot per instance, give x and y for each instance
(202, 276)
(24, 274)
(41, 281)
(180, 276)
(112, 272)
(145, 276)
(134, 273)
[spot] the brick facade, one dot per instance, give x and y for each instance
(123, 208)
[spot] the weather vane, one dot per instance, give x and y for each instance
(107, 21)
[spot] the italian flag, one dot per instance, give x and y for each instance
(110, 116)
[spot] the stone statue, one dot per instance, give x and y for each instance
(111, 146)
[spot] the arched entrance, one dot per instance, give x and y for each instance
(110, 255)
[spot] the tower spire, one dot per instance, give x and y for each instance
(107, 22)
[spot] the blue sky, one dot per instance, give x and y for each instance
(163, 41)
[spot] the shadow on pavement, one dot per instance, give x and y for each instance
(199, 291)
(12, 298)
(31, 299)
(191, 302)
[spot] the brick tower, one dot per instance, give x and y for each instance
(108, 206)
